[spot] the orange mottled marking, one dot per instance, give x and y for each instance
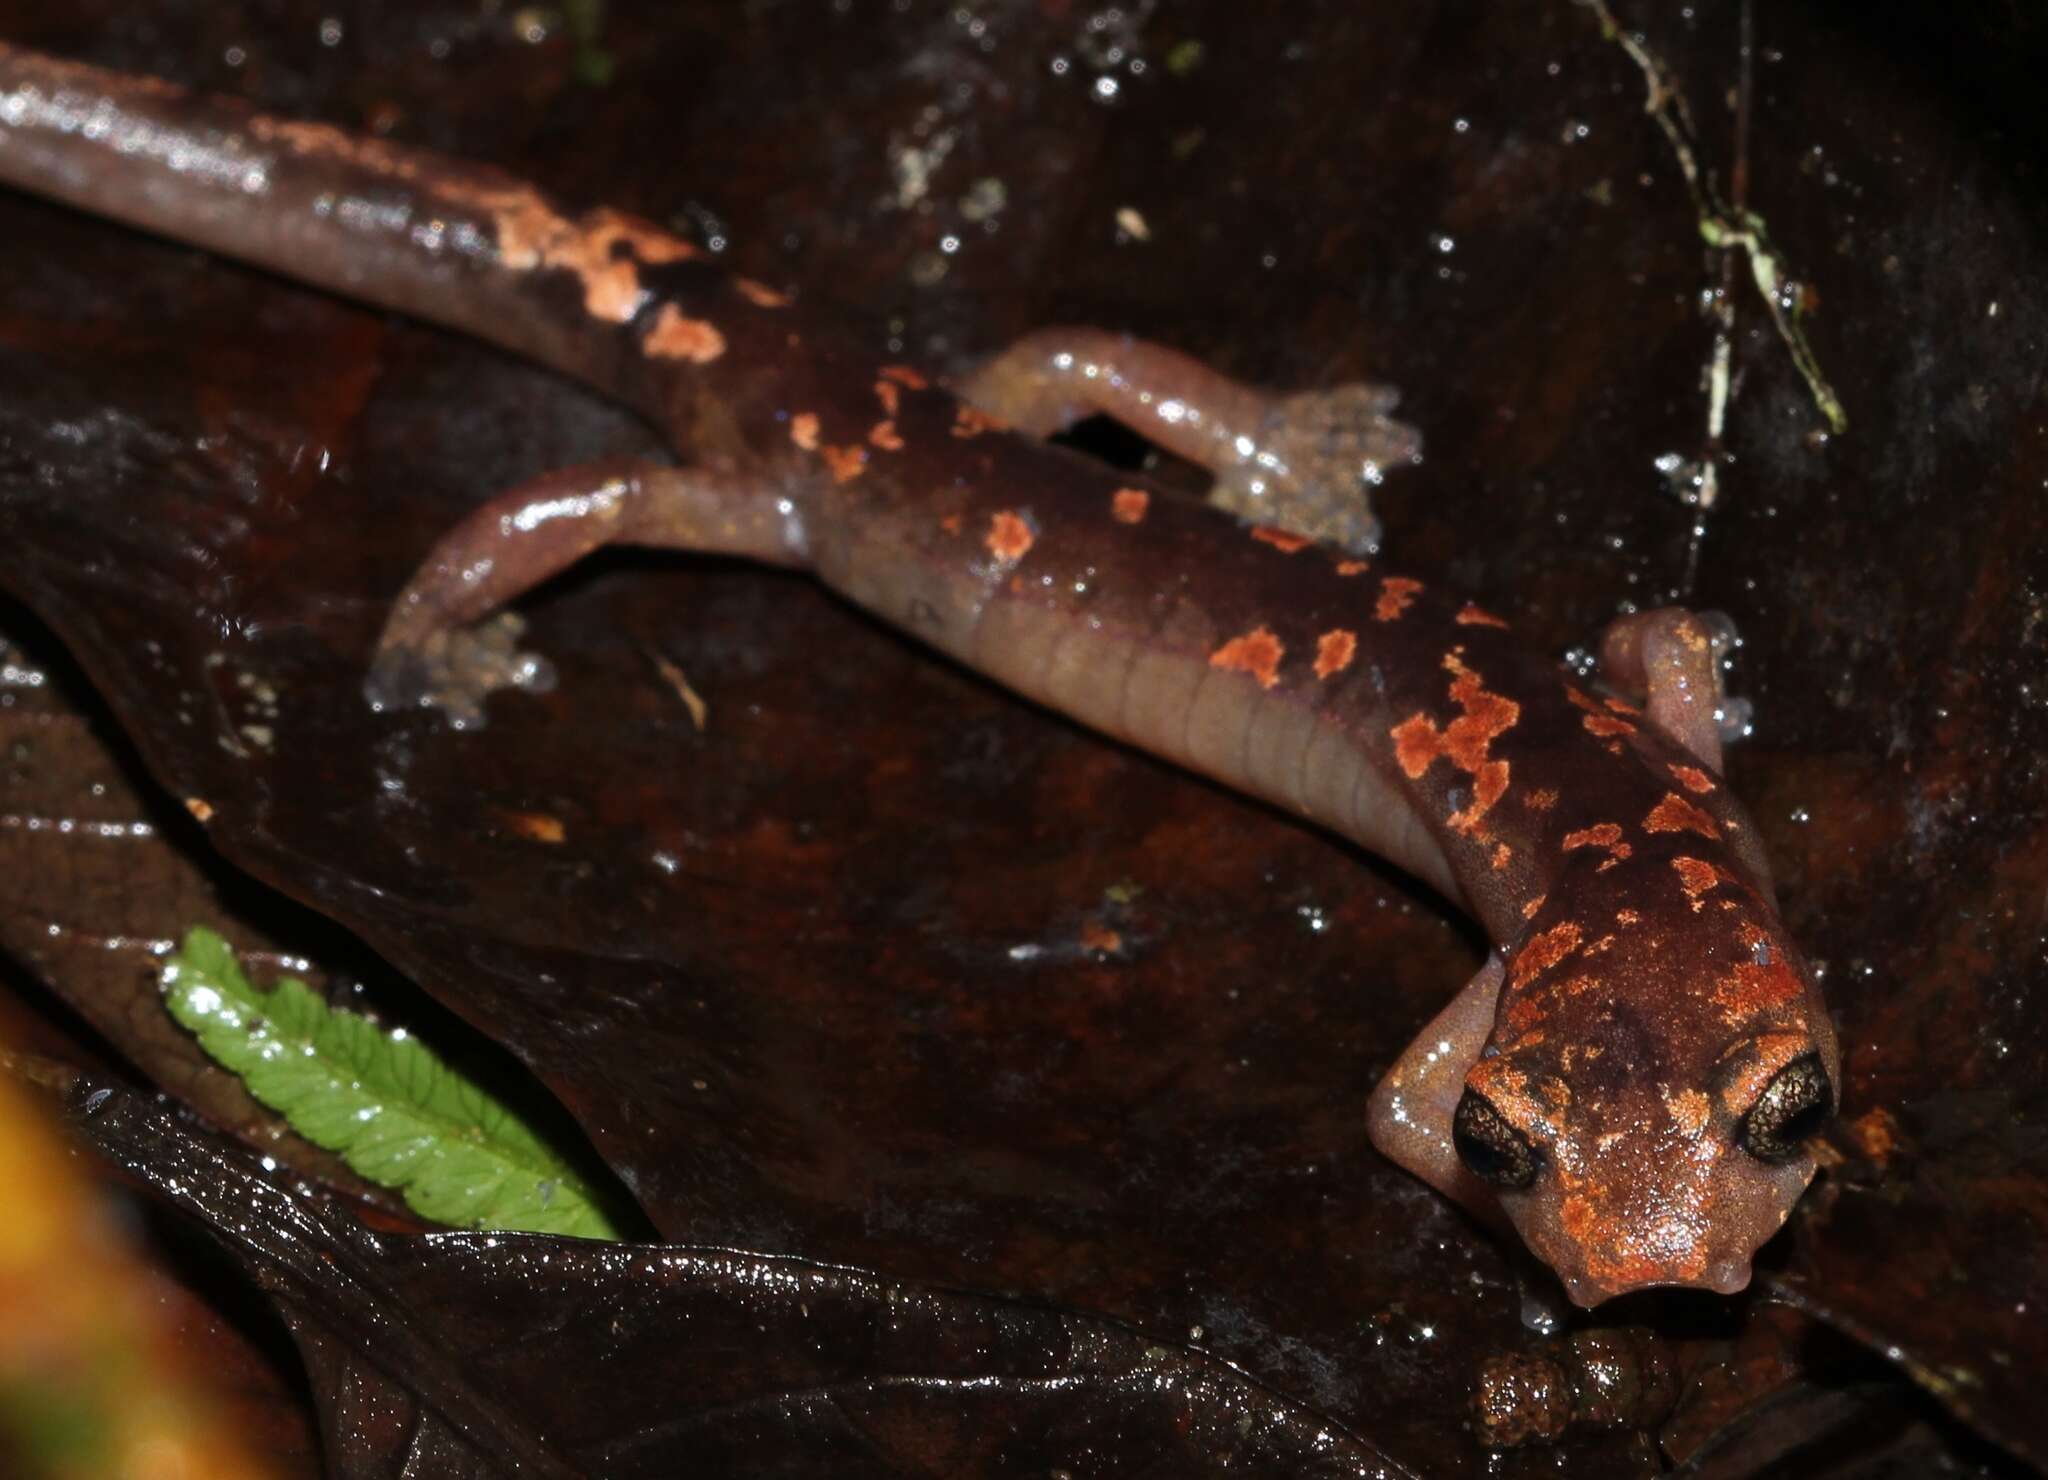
(1622, 706)
(1693, 779)
(1676, 814)
(971, 421)
(1466, 742)
(605, 231)
(1396, 592)
(603, 249)
(1534, 907)
(1542, 951)
(1473, 615)
(1580, 1219)
(1610, 1236)
(1503, 855)
(887, 393)
(1417, 744)
(1010, 537)
(760, 294)
(1283, 540)
(675, 336)
(952, 523)
(1334, 651)
(884, 435)
(803, 430)
(1627, 917)
(1503, 1083)
(1258, 653)
(904, 376)
(1128, 505)
(1749, 989)
(846, 463)
(1541, 799)
(1352, 567)
(1688, 1109)
(1598, 721)
(1601, 835)
(1695, 876)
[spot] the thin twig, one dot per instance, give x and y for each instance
(1724, 225)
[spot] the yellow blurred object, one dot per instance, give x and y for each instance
(89, 1389)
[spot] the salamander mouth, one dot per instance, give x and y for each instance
(1726, 1277)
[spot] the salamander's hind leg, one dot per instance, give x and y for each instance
(1306, 463)
(1671, 660)
(437, 650)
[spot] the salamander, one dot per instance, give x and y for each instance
(1631, 1078)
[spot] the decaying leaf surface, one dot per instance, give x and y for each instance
(710, 1360)
(881, 967)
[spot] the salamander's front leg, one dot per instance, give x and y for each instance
(430, 653)
(1671, 659)
(1412, 1112)
(1306, 463)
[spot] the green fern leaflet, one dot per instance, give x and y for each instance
(394, 1110)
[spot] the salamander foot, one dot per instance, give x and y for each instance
(1671, 660)
(1305, 463)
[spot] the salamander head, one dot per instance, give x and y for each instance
(1658, 1059)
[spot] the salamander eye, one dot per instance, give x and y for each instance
(1494, 1150)
(1792, 1107)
